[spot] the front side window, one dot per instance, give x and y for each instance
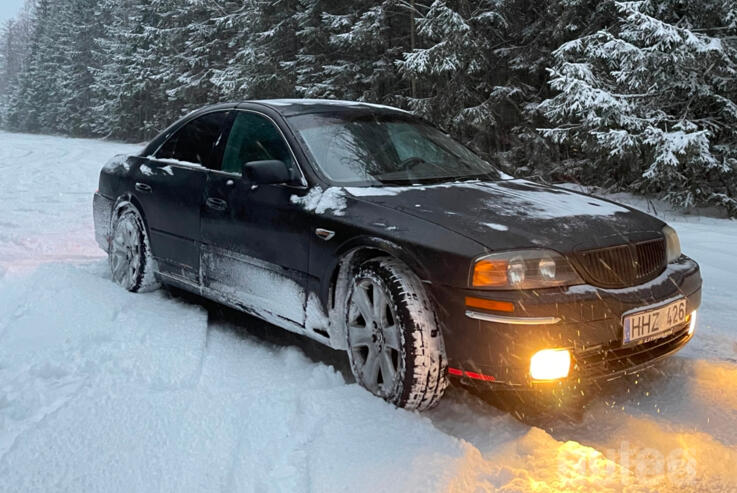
(197, 141)
(371, 149)
(254, 138)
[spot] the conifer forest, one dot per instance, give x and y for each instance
(638, 96)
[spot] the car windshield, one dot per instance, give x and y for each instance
(373, 149)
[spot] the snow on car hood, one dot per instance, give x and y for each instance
(517, 213)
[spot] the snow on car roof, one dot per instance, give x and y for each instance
(294, 105)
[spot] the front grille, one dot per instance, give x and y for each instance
(623, 265)
(616, 359)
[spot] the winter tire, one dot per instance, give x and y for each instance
(131, 262)
(395, 347)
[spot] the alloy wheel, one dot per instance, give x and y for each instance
(374, 337)
(125, 255)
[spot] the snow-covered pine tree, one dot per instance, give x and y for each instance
(130, 100)
(273, 47)
(261, 46)
(315, 20)
(78, 33)
(36, 83)
(234, 24)
(110, 54)
(178, 37)
(366, 43)
(15, 43)
(200, 37)
(459, 84)
(160, 38)
(649, 104)
(534, 31)
(8, 72)
(54, 89)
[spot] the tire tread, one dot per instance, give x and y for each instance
(425, 378)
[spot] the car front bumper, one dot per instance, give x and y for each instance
(584, 319)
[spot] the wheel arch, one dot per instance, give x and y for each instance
(125, 200)
(357, 251)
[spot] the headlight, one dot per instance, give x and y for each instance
(523, 269)
(672, 244)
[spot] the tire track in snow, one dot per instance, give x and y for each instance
(16, 415)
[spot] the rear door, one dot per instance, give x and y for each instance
(254, 238)
(171, 184)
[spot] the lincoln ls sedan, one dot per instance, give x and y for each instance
(369, 230)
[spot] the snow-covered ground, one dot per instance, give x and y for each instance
(103, 390)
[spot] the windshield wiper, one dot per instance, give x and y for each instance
(396, 181)
(431, 180)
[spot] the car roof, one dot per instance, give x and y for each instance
(290, 107)
(285, 107)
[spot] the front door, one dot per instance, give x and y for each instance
(254, 238)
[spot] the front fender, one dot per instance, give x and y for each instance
(387, 246)
(349, 254)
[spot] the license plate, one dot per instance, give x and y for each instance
(646, 325)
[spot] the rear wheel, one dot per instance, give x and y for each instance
(131, 262)
(395, 347)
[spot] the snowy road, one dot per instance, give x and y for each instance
(103, 390)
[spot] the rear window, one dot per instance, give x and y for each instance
(197, 141)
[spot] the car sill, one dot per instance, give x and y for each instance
(489, 317)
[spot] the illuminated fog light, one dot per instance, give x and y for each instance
(692, 323)
(550, 364)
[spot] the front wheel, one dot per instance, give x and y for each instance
(395, 347)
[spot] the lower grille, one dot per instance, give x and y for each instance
(623, 265)
(617, 359)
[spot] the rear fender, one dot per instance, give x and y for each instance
(128, 200)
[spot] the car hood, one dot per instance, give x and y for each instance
(518, 214)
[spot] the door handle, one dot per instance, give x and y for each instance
(216, 204)
(142, 187)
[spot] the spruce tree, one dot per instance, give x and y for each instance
(15, 42)
(638, 95)
(650, 103)
(456, 67)
(36, 82)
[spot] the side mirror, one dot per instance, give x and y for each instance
(266, 172)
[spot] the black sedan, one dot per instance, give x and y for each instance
(369, 230)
